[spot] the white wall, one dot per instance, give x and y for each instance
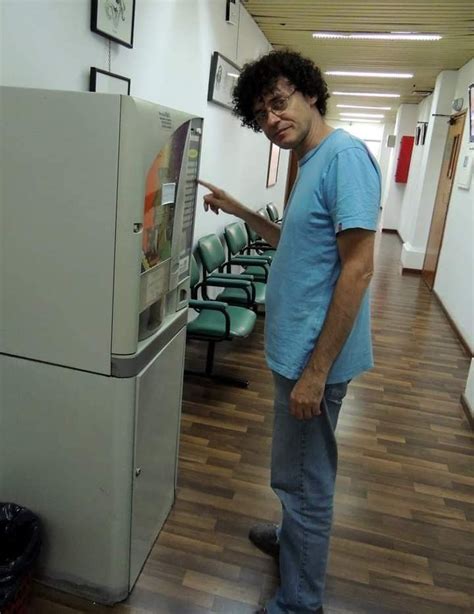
(394, 192)
(418, 210)
(414, 185)
(385, 154)
(48, 44)
(454, 282)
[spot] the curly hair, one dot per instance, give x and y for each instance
(260, 77)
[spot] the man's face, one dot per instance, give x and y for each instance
(285, 115)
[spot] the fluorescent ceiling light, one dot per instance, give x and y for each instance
(233, 75)
(373, 115)
(358, 73)
(366, 94)
(360, 106)
(393, 36)
(356, 120)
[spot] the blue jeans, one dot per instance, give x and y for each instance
(304, 464)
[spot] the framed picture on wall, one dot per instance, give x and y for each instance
(108, 82)
(114, 19)
(424, 131)
(232, 12)
(418, 134)
(222, 79)
(273, 161)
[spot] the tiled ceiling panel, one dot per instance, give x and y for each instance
(288, 23)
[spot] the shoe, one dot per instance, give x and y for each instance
(264, 536)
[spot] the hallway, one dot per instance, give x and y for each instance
(403, 539)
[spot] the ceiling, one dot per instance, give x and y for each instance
(290, 23)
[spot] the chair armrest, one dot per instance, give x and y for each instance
(218, 307)
(251, 260)
(261, 245)
(222, 275)
(211, 305)
(227, 282)
(243, 276)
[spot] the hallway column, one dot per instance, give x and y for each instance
(392, 202)
(415, 223)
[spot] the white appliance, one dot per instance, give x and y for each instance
(97, 208)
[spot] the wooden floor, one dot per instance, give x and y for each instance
(403, 537)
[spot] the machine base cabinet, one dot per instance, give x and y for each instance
(96, 458)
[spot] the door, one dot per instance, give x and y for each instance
(440, 211)
(158, 417)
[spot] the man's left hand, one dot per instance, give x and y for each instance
(307, 394)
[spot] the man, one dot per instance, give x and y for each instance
(317, 329)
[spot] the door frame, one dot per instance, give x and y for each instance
(455, 117)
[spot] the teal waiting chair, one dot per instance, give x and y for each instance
(237, 244)
(273, 213)
(255, 241)
(216, 321)
(215, 264)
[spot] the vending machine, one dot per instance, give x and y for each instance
(97, 206)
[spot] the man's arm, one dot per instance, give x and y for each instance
(356, 251)
(218, 199)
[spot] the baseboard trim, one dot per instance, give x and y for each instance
(462, 340)
(406, 271)
(393, 231)
(467, 411)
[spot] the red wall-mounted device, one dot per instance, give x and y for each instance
(404, 159)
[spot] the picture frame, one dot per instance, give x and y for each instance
(222, 78)
(273, 163)
(114, 19)
(418, 134)
(231, 12)
(108, 82)
(424, 131)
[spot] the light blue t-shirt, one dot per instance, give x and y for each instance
(338, 187)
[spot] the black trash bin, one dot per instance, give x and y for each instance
(20, 543)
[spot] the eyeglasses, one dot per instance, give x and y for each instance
(277, 106)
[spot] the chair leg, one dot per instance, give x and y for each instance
(220, 379)
(211, 348)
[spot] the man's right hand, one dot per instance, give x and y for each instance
(218, 199)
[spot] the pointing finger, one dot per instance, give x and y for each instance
(207, 185)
